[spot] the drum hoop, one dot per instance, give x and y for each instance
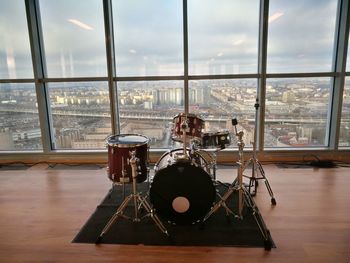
(223, 132)
(130, 145)
(188, 115)
(156, 165)
(216, 133)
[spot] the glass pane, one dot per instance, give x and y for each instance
(301, 36)
(19, 118)
(218, 101)
(223, 36)
(74, 38)
(81, 114)
(148, 37)
(344, 135)
(148, 108)
(348, 59)
(15, 56)
(296, 112)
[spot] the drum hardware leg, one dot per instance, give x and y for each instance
(184, 127)
(237, 184)
(221, 203)
(248, 200)
(256, 175)
(139, 202)
(214, 165)
(123, 176)
(244, 196)
(258, 219)
(257, 169)
(110, 191)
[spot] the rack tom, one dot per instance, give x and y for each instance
(193, 130)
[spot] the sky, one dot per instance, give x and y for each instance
(222, 37)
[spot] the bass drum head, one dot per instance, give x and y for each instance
(182, 193)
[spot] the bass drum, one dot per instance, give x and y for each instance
(181, 191)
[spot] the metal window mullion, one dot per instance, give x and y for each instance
(39, 69)
(75, 79)
(111, 66)
(148, 78)
(262, 60)
(185, 46)
(339, 65)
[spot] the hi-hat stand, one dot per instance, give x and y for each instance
(244, 196)
(139, 203)
(257, 169)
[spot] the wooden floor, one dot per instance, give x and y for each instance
(42, 209)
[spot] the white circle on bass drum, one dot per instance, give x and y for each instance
(181, 204)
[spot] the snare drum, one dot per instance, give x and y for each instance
(216, 140)
(119, 149)
(181, 192)
(194, 127)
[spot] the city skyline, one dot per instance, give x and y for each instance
(296, 113)
(222, 40)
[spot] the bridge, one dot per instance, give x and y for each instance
(156, 116)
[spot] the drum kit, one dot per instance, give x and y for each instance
(183, 189)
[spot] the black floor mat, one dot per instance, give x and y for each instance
(218, 230)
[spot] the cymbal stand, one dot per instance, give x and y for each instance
(209, 164)
(257, 169)
(244, 197)
(184, 127)
(234, 186)
(139, 202)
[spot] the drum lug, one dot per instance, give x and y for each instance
(155, 168)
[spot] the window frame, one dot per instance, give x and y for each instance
(40, 75)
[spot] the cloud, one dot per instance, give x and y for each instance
(275, 16)
(80, 24)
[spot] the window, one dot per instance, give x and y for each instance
(344, 136)
(218, 101)
(19, 119)
(81, 114)
(151, 85)
(301, 36)
(223, 37)
(74, 38)
(348, 59)
(296, 112)
(148, 108)
(148, 37)
(15, 58)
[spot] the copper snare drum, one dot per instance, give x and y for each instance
(215, 140)
(119, 150)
